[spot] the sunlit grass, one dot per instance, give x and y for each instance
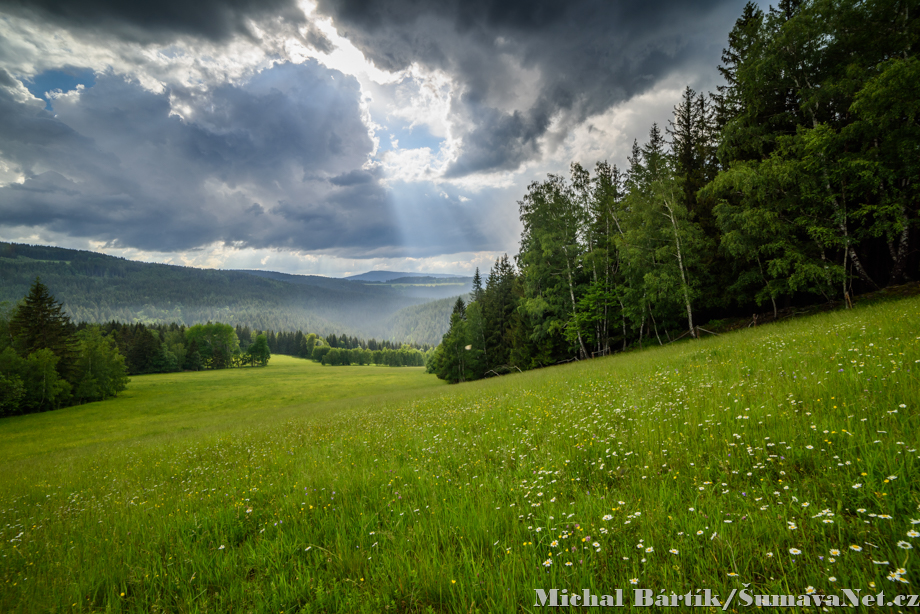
(784, 457)
(171, 404)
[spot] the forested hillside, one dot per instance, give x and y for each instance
(422, 323)
(417, 286)
(795, 183)
(386, 276)
(94, 287)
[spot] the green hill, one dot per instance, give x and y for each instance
(420, 322)
(779, 460)
(95, 287)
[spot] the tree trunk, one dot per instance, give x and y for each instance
(683, 276)
(655, 325)
(623, 316)
(568, 270)
(900, 255)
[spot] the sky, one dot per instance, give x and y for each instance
(326, 137)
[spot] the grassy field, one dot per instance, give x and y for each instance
(781, 457)
(162, 407)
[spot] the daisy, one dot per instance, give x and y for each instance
(634, 581)
(794, 551)
(855, 548)
(673, 551)
(904, 545)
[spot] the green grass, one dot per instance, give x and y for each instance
(301, 488)
(176, 404)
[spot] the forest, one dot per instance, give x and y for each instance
(95, 287)
(795, 182)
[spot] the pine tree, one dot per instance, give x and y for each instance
(460, 308)
(40, 323)
(477, 286)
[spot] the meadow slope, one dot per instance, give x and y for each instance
(784, 457)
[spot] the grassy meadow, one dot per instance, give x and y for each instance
(784, 457)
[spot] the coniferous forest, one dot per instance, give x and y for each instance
(795, 182)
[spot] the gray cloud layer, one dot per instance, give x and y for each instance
(146, 20)
(276, 162)
(589, 54)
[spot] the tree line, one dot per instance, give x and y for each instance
(339, 350)
(168, 348)
(795, 182)
(301, 344)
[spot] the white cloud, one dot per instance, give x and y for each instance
(609, 136)
(30, 48)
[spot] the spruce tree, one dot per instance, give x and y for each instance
(477, 286)
(40, 323)
(460, 307)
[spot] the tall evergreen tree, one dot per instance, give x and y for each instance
(40, 323)
(476, 294)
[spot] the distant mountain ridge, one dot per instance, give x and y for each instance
(385, 276)
(95, 287)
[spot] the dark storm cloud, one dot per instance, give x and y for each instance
(590, 54)
(277, 162)
(159, 19)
